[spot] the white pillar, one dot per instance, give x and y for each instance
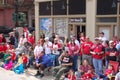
(37, 27)
(29, 18)
(91, 18)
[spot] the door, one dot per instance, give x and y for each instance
(79, 28)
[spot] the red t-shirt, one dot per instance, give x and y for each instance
(25, 59)
(69, 77)
(108, 72)
(86, 47)
(13, 57)
(72, 48)
(5, 47)
(87, 76)
(97, 48)
(31, 40)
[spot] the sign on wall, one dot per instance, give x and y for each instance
(46, 26)
(60, 26)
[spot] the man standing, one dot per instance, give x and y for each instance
(85, 49)
(102, 38)
(97, 51)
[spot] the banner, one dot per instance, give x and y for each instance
(46, 26)
(45, 23)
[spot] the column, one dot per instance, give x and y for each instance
(118, 20)
(91, 18)
(37, 28)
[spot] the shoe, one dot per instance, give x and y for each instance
(37, 74)
(41, 75)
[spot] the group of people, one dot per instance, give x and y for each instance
(62, 56)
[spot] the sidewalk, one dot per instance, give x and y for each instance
(28, 75)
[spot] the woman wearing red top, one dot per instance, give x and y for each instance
(97, 51)
(73, 50)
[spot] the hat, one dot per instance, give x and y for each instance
(111, 42)
(101, 33)
(97, 38)
(47, 38)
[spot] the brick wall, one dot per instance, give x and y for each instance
(6, 17)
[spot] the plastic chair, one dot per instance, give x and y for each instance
(115, 65)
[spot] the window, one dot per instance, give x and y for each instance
(60, 7)
(77, 6)
(45, 8)
(106, 7)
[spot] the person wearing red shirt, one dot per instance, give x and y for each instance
(71, 75)
(73, 50)
(85, 49)
(97, 51)
(31, 39)
(25, 60)
(82, 37)
(88, 75)
(108, 73)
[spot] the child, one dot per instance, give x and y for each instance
(7, 61)
(19, 68)
(108, 73)
(71, 75)
(25, 60)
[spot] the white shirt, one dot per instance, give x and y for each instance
(103, 39)
(47, 47)
(55, 51)
(38, 50)
(22, 41)
(117, 77)
(77, 43)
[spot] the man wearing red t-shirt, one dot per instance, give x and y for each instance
(97, 51)
(85, 49)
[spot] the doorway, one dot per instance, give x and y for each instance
(78, 29)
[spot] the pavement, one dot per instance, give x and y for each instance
(28, 75)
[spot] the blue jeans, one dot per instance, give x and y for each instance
(30, 61)
(75, 64)
(16, 43)
(98, 65)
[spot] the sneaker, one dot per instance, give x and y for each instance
(41, 75)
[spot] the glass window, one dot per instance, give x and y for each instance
(45, 8)
(106, 7)
(77, 6)
(60, 7)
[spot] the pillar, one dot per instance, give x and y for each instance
(91, 18)
(37, 27)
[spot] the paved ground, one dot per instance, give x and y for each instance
(28, 75)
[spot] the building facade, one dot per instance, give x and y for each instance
(7, 8)
(66, 17)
